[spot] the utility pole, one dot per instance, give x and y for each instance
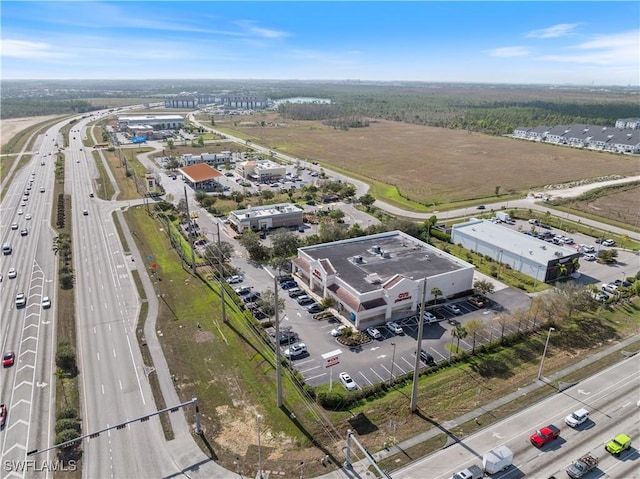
(189, 233)
(221, 276)
(278, 362)
(416, 366)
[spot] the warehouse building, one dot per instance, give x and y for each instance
(534, 257)
(162, 122)
(380, 277)
(283, 215)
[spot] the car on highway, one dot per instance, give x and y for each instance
(85, 212)
(3, 415)
(348, 383)
(12, 273)
(295, 351)
(482, 207)
(42, 189)
(8, 359)
(21, 300)
(235, 279)
(20, 212)
(618, 444)
(27, 217)
(453, 308)
(91, 195)
(338, 331)
(24, 232)
(46, 302)
(23, 203)
(14, 226)
(394, 327)
(426, 358)
(544, 435)
(577, 417)
(374, 333)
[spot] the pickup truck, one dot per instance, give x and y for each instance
(544, 435)
(472, 472)
(582, 466)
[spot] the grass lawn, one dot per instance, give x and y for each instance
(433, 165)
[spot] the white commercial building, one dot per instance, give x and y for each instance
(263, 171)
(163, 122)
(534, 257)
(266, 217)
(381, 277)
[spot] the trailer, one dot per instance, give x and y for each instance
(497, 460)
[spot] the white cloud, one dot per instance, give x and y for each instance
(253, 30)
(616, 49)
(555, 31)
(27, 49)
(507, 52)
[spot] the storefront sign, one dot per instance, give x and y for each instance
(403, 297)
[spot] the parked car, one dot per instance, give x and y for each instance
(426, 358)
(347, 382)
(429, 317)
(590, 257)
(295, 350)
(610, 288)
(338, 331)
(250, 297)
(243, 290)
(394, 327)
(305, 300)
(287, 337)
(314, 308)
(235, 279)
(374, 333)
(8, 359)
(288, 285)
(618, 444)
(478, 300)
(453, 308)
(621, 283)
(295, 292)
(577, 417)
(544, 435)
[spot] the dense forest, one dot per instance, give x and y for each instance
(492, 109)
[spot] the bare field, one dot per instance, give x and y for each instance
(619, 204)
(433, 165)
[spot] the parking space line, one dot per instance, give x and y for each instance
(374, 372)
(410, 364)
(365, 378)
(438, 353)
(315, 377)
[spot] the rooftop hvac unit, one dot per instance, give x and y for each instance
(375, 248)
(386, 254)
(357, 259)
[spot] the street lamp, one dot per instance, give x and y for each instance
(393, 358)
(546, 345)
(258, 417)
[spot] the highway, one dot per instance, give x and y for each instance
(610, 396)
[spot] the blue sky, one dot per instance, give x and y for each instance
(490, 42)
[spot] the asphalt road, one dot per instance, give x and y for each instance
(610, 396)
(30, 331)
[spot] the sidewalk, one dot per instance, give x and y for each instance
(360, 468)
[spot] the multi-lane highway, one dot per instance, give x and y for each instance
(610, 396)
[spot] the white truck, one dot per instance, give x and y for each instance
(497, 460)
(472, 472)
(502, 216)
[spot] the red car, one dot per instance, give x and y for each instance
(3, 415)
(8, 359)
(544, 435)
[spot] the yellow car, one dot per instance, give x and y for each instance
(618, 444)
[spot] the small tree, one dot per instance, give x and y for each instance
(267, 303)
(483, 286)
(459, 332)
(436, 292)
(367, 200)
(66, 358)
(473, 327)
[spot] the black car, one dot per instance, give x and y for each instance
(250, 297)
(482, 207)
(426, 358)
(287, 337)
(314, 308)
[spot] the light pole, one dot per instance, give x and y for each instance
(393, 358)
(546, 345)
(258, 417)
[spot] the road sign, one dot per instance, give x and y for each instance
(332, 358)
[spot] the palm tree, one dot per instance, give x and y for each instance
(459, 332)
(435, 292)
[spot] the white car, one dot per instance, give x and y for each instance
(20, 212)
(374, 333)
(394, 327)
(21, 300)
(590, 257)
(454, 308)
(27, 217)
(46, 302)
(608, 242)
(295, 350)
(235, 279)
(577, 417)
(335, 332)
(347, 382)
(12, 273)
(429, 318)
(14, 226)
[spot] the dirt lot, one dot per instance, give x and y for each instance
(10, 127)
(433, 165)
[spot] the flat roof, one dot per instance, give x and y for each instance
(265, 211)
(150, 117)
(407, 256)
(513, 241)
